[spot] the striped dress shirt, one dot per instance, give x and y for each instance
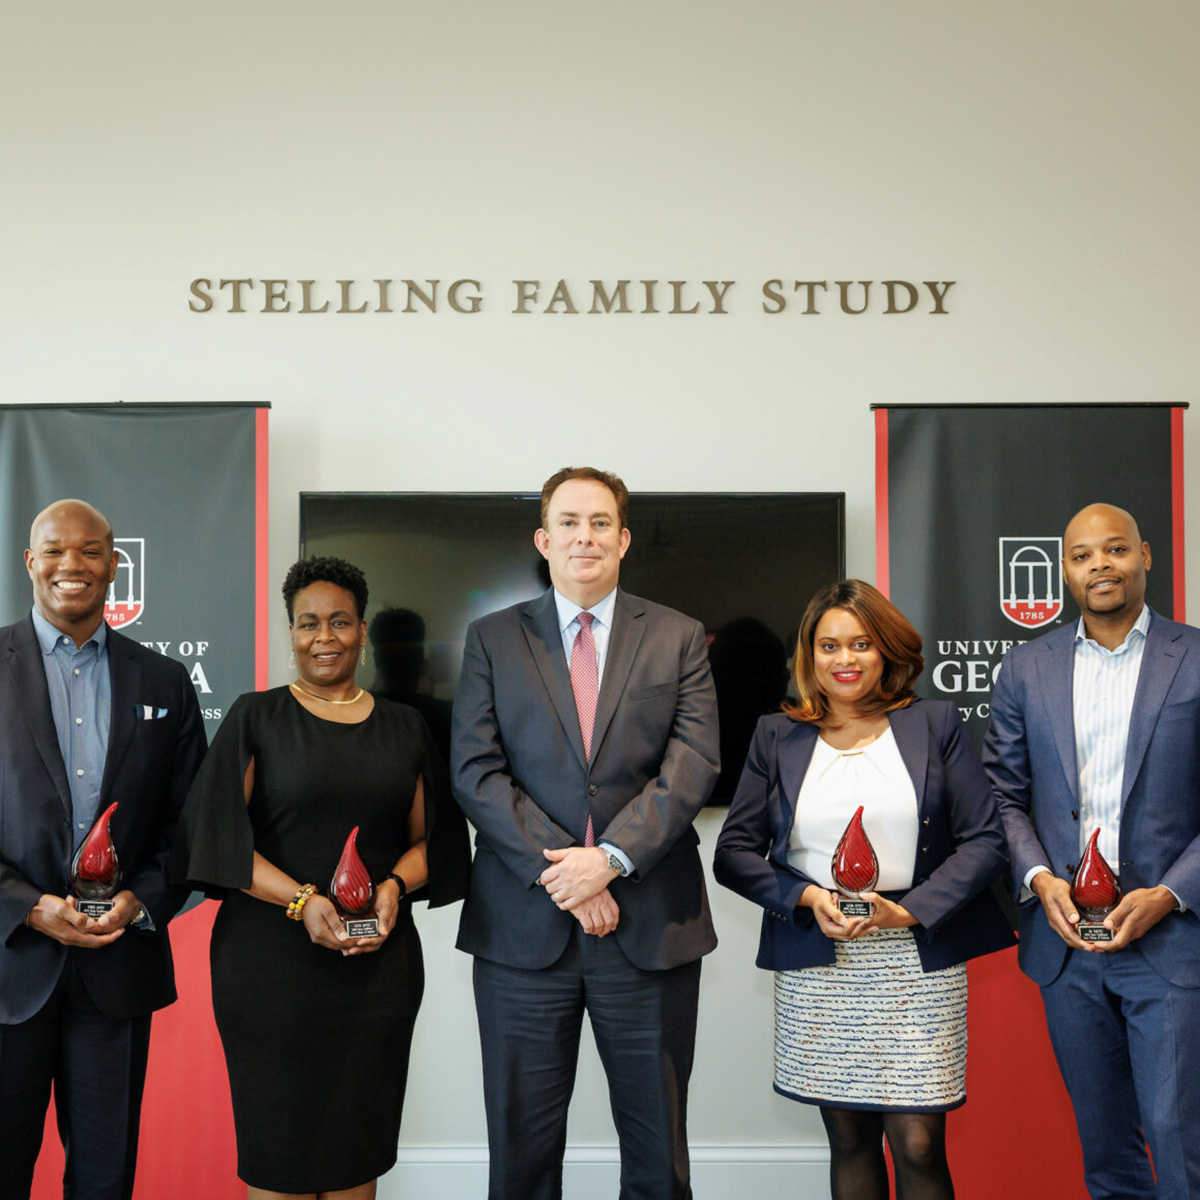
(1105, 683)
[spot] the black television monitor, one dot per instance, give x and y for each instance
(743, 564)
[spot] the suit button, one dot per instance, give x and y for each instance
(1070, 868)
(925, 822)
(924, 849)
(1074, 815)
(592, 789)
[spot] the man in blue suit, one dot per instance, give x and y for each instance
(87, 717)
(1097, 725)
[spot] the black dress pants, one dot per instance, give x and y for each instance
(644, 1024)
(97, 1067)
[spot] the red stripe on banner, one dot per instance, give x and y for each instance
(261, 586)
(882, 561)
(1177, 542)
(1015, 1136)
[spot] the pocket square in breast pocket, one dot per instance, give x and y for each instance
(149, 712)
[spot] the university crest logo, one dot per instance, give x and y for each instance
(1031, 585)
(126, 602)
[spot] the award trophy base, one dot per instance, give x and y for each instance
(359, 927)
(1090, 929)
(853, 906)
(93, 908)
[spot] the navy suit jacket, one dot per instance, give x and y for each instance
(148, 768)
(1029, 754)
(521, 776)
(960, 843)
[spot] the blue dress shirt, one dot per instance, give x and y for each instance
(81, 702)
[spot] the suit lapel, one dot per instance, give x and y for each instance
(1056, 679)
(1161, 658)
(910, 728)
(539, 622)
(624, 641)
(30, 697)
(126, 675)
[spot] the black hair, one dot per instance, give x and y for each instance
(338, 571)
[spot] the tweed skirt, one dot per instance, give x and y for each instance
(873, 1031)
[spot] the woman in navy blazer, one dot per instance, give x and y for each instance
(855, 665)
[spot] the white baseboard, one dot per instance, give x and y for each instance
(593, 1172)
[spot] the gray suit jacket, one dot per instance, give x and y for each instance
(1029, 754)
(522, 778)
(148, 768)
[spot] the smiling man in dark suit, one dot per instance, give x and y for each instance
(1097, 725)
(88, 718)
(584, 744)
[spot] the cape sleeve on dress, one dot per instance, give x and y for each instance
(447, 844)
(214, 848)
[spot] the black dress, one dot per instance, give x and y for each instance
(316, 1044)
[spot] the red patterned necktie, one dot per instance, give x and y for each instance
(585, 683)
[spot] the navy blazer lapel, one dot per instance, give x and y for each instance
(1161, 658)
(31, 699)
(910, 728)
(539, 621)
(126, 676)
(624, 640)
(794, 756)
(1056, 680)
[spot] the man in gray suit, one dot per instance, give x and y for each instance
(584, 744)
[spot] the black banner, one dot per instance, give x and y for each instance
(185, 489)
(971, 503)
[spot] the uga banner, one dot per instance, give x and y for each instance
(185, 488)
(971, 503)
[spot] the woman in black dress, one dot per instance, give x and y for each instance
(316, 1025)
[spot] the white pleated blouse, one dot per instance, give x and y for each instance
(836, 783)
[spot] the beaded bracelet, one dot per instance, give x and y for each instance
(295, 910)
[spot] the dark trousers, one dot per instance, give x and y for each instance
(97, 1066)
(644, 1024)
(1128, 1045)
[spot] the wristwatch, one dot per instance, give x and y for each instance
(614, 863)
(399, 883)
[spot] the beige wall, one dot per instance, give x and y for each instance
(1041, 155)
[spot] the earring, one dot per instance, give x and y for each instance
(362, 657)
(292, 659)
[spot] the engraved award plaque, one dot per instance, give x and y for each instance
(1096, 893)
(95, 869)
(855, 869)
(352, 891)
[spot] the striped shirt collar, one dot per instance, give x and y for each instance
(1140, 626)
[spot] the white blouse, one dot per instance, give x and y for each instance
(836, 783)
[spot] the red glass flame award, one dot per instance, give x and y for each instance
(95, 869)
(1096, 893)
(352, 891)
(855, 869)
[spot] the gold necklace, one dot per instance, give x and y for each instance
(313, 695)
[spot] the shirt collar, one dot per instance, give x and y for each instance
(1140, 626)
(49, 636)
(568, 610)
